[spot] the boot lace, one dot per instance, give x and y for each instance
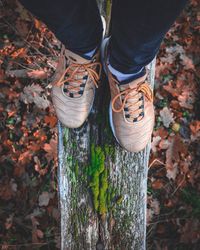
(133, 101)
(74, 75)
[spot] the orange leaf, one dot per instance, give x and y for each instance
(52, 120)
(38, 24)
(25, 157)
(19, 53)
(157, 184)
(51, 150)
(195, 126)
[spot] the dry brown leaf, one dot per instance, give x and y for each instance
(9, 222)
(33, 94)
(155, 206)
(155, 142)
(30, 92)
(38, 167)
(195, 126)
(41, 101)
(171, 89)
(51, 150)
(51, 120)
(172, 172)
(186, 99)
(164, 144)
(175, 148)
(157, 184)
(44, 199)
(25, 157)
(162, 132)
(19, 53)
(149, 215)
(38, 24)
(166, 117)
(37, 74)
(40, 234)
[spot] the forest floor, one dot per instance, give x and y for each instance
(29, 214)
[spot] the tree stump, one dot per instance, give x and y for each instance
(102, 188)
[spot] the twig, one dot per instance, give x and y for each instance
(179, 185)
(156, 161)
(29, 44)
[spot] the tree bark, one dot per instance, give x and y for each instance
(102, 188)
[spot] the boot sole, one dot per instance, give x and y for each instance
(103, 46)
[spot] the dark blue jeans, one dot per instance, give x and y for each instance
(137, 27)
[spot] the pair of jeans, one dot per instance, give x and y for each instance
(137, 27)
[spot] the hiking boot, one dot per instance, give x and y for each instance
(74, 86)
(131, 110)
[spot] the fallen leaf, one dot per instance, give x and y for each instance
(41, 101)
(40, 234)
(19, 53)
(149, 215)
(9, 222)
(172, 172)
(166, 117)
(155, 142)
(51, 120)
(30, 92)
(37, 74)
(41, 170)
(186, 99)
(51, 150)
(175, 148)
(195, 126)
(25, 157)
(44, 199)
(33, 94)
(157, 184)
(155, 205)
(164, 144)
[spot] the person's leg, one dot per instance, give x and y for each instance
(76, 23)
(138, 28)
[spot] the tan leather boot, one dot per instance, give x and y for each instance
(74, 86)
(131, 111)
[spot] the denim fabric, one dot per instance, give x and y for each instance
(137, 28)
(76, 23)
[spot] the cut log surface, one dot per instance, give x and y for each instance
(102, 188)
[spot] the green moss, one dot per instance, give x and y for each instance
(108, 200)
(103, 192)
(76, 170)
(65, 136)
(107, 149)
(98, 179)
(94, 185)
(119, 199)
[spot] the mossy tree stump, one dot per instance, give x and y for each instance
(102, 188)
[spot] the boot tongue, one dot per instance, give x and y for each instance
(74, 58)
(133, 84)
